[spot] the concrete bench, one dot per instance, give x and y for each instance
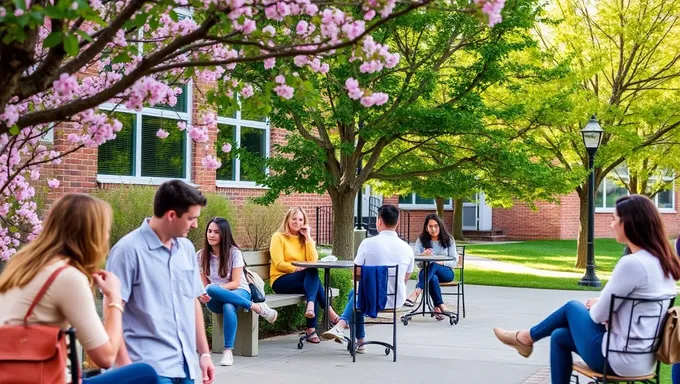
(247, 333)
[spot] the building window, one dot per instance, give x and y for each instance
(245, 131)
(415, 201)
(612, 188)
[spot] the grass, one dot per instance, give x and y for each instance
(505, 279)
(552, 255)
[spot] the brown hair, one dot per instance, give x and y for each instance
(644, 228)
(284, 228)
(227, 243)
(77, 229)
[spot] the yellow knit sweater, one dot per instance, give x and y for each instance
(285, 249)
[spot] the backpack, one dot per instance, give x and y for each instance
(669, 350)
(34, 353)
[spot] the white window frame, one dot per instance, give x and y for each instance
(448, 206)
(603, 184)
(238, 123)
(137, 178)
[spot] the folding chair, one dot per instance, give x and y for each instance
(353, 346)
(654, 342)
(459, 283)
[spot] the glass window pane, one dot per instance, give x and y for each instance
(599, 202)
(665, 199)
(422, 200)
(613, 192)
(406, 199)
(253, 140)
(252, 115)
(226, 134)
(117, 156)
(163, 157)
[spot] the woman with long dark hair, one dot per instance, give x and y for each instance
(435, 240)
(225, 281)
(650, 271)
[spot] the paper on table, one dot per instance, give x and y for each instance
(329, 258)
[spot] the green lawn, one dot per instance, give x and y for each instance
(553, 255)
(504, 279)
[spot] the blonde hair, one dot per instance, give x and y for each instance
(76, 229)
(284, 228)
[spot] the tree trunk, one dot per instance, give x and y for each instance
(439, 201)
(457, 228)
(343, 223)
(582, 243)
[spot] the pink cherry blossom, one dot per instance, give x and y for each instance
(3, 12)
(247, 91)
(269, 63)
(226, 148)
(53, 183)
(211, 162)
(284, 91)
(162, 134)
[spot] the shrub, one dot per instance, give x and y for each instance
(261, 222)
(131, 204)
(218, 206)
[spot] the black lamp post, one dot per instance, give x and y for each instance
(592, 136)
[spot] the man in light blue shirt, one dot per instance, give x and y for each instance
(160, 286)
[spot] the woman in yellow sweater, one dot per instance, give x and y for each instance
(293, 242)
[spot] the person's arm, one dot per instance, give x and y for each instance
(418, 248)
(235, 279)
(276, 253)
(205, 360)
(311, 254)
(411, 267)
(452, 252)
(627, 275)
(74, 299)
(122, 358)
(123, 263)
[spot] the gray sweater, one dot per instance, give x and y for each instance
(437, 249)
(636, 275)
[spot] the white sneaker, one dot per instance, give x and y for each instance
(269, 314)
(334, 333)
(227, 358)
(361, 349)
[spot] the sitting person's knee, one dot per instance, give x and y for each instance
(211, 289)
(574, 304)
(560, 335)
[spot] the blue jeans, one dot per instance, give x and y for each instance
(360, 329)
(437, 273)
(571, 330)
(676, 374)
(306, 282)
(130, 374)
(179, 380)
(227, 302)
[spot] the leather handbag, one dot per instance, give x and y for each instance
(256, 285)
(669, 350)
(35, 353)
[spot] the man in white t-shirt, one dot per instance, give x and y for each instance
(386, 249)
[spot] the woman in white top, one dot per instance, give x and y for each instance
(650, 271)
(435, 240)
(74, 240)
(225, 281)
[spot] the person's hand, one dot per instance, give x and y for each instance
(204, 298)
(207, 369)
(306, 231)
(298, 269)
(109, 285)
(428, 251)
(591, 302)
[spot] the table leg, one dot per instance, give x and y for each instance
(426, 305)
(326, 310)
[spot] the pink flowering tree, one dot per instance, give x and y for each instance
(411, 88)
(61, 59)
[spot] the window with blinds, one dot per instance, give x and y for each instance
(162, 157)
(117, 156)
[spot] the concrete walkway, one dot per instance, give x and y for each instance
(428, 350)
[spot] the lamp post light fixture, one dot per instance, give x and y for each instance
(592, 137)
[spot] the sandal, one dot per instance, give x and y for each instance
(409, 303)
(438, 315)
(313, 338)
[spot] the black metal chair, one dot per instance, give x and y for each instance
(459, 283)
(353, 346)
(73, 368)
(654, 341)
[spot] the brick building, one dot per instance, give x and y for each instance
(138, 156)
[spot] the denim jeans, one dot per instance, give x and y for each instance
(179, 380)
(306, 282)
(360, 329)
(676, 374)
(227, 303)
(571, 330)
(437, 273)
(137, 373)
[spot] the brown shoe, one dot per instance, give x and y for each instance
(510, 338)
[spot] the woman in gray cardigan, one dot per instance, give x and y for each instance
(650, 271)
(435, 240)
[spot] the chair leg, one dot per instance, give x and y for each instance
(458, 303)
(462, 286)
(394, 337)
